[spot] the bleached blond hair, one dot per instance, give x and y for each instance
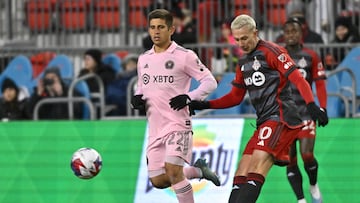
(243, 20)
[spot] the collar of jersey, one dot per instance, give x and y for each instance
(171, 48)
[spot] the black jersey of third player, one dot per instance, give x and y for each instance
(311, 68)
(263, 72)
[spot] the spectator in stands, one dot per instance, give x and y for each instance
(296, 10)
(117, 89)
(10, 106)
(93, 64)
(345, 33)
(185, 30)
(52, 86)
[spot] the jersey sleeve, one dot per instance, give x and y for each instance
(319, 77)
(281, 61)
(239, 79)
(197, 70)
(317, 68)
(234, 97)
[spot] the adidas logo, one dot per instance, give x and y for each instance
(235, 187)
(251, 182)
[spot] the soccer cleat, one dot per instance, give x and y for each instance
(207, 173)
(315, 194)
(314, 200)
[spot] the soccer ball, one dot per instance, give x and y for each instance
(86, 163)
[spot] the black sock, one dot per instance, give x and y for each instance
(311, 169)
(295, 180)
(250, 191)
(238, 182)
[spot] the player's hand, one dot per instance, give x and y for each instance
(199, 105)
(318, 114)
(179, 101)
(137, 102)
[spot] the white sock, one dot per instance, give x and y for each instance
(315, 191)
(302, 201)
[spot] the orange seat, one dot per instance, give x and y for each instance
(73, 14)
(206, 15)
(107, 14)
(38, 14)
(242, 7)
(122, 54)
(137, 18)
(276, 12)
(40, 60)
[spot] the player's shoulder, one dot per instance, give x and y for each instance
(271, 47)
(181, 49)
(145, 53)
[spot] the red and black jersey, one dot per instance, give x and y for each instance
(266, 74)
(309, 64)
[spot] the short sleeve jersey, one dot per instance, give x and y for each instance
(263, 72)
(163, 76)
(312, 69)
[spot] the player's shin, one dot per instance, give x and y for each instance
(250, 191)
(295, 180)
(238, 182)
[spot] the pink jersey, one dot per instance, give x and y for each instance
(165, 75)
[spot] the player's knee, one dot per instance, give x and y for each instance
(307, 157)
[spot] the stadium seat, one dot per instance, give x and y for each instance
(40, 60)
(39, 14)
(122, 54)
(65, 65)
(194, 84)
(107, 14)
(224, 87)
(207, 14)
(242, 7)
(335, 104)
(83, 89)
(114, 61)
(137, 18)
(73, 15)
(351, 61)
(20, 71)
(276, 12)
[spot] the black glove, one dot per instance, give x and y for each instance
(199, 105)
(318, 114)
(179, 101)
(137, 102)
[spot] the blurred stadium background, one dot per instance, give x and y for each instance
(42, 29)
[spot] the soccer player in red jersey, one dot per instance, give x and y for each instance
(311, 68)
(265, 71)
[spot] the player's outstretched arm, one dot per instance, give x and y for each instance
(316, 113)
(233, 98)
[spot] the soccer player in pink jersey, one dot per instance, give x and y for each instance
(164, 76)
(265, 72)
